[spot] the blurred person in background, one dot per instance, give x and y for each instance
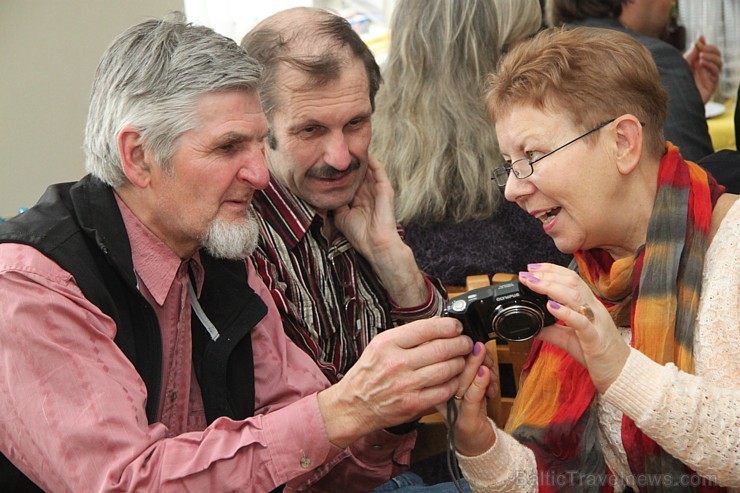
(438, 145)
(689, 79)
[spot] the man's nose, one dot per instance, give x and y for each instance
(254, 171)
(337, 153)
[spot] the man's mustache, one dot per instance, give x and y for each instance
(329, 172)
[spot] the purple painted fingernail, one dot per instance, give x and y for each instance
(529, 277)
(533, 266)
(477, 348)
(553, 304)
(481, 371)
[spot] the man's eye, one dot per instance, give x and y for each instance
(532, 155)
(356, 122)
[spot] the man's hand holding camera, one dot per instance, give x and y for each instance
(402, 374)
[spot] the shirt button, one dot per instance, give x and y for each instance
(377, 447)
(305, 462)
(173, 396)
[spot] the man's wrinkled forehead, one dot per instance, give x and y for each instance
(309, 70)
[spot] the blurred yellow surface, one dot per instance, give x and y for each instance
(722, 128)
(379, 42)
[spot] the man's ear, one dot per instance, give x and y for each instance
(133, 157)
(628, 143)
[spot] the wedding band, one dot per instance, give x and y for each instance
(457, 397)
(587, 312)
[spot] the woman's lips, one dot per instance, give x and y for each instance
(547, 217)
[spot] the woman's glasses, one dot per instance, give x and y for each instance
(524, 167)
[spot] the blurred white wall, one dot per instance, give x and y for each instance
(49, 51)
(233, 18)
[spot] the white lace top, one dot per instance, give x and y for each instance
(695, 418)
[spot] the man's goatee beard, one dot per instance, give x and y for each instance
(232, 241)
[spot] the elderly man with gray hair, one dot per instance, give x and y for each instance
(140, 351)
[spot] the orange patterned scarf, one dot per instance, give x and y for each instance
(656, 293)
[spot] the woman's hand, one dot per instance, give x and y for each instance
(473, 431)
(589, 335)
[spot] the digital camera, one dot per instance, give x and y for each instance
(508, 310)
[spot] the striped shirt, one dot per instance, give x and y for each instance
(331, 301)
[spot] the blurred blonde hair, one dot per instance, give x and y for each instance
(430, 128)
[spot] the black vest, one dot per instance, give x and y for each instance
(79, 226)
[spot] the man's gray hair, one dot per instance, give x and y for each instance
(151, 77)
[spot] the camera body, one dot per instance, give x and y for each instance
(508, 310)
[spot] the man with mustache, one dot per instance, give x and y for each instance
(330, 250)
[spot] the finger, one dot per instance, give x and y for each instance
(711, 57)
(473, 362)
(438, 351)
(712, 50)
(375, 169)
(374, 164)
(691, 55)
(575, 318)
(561, 284)
(444, 374)
(380, 176)
(551, 270)
(421, 331)
(475, 394)
(488, 360)
(492, 390)
(713, 66)
(557, 335)
(472, 416)
(473, 431)
(435, 396)
(582, 324)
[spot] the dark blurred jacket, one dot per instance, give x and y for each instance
(506, 242)
(686, 124)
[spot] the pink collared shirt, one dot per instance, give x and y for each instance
(72, 406)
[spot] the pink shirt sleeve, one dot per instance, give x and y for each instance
(72, 406)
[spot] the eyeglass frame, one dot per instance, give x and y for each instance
(502, 173)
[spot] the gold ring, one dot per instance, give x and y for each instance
(457, 397)
(587, 312)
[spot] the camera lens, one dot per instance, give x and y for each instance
(518, 322)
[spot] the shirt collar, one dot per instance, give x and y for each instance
(285, 212)
(155, 264)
